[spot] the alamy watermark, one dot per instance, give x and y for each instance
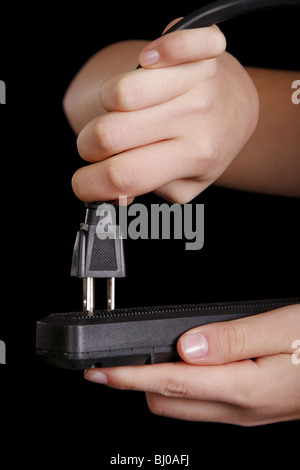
(296, 93)
(296, 354)
(159, 221)
(2, 352)
(2, 92)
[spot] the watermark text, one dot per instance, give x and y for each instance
(296, 354)
(159, 221)
(296, 93)
(2, 92)
(2, 352)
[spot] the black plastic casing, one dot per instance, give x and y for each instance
(132, 336)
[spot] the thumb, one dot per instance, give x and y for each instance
(250, 337)
(183, 46)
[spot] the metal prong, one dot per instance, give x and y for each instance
(111, 293)
(88, 295)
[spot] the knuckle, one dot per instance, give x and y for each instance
(178, 193)
(181, 199)
(246, 420)
(77, 186)
(222, 43)
(253, 413)
(199, 103)
(180, 45)
(174, 45)
(106, 134)
(123, 94)
(178, 197)
(120, 175)
(204, 103)
(128, 92)
(81, 145)
(202, 99)
(218, 40)
(174, 388)
(208, 152)
(231, 341)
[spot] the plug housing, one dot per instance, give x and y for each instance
(98, 250)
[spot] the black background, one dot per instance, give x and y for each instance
(251, 251)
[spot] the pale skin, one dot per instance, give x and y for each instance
(192, 118)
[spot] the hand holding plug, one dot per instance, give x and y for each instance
(171, 127)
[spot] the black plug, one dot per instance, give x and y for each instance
(98, 252)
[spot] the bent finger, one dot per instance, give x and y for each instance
(118, 132)
(183, 46)
(143, 88)
(134, 172)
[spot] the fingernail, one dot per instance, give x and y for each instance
(149, 57)
(194, 345)
(96, 376)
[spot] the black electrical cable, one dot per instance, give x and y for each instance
(222, 10)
